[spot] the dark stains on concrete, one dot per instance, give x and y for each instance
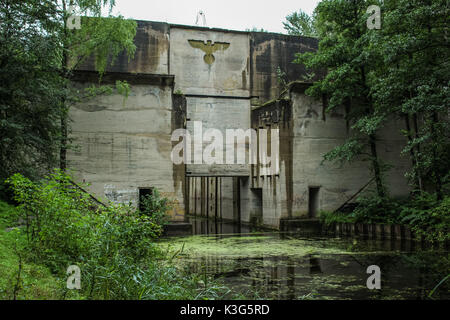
(286, 149)
(268, 52)
(278, 114)
(312, 114)
(179, 117)
(89, 76)
(151, 41)
(244, 80)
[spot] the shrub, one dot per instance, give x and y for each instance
(370, 209)
(425, 215)
(59, 223)
(429, 218)
(374, 209)
(115, 247)
(156, 207)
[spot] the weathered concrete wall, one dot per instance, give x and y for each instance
(247, 67)
(276, 188)
(315, 134)
(220, 73)
(125, 145)
(152, 51)
(270, 52)
(307, 133)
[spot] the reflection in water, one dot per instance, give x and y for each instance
(288, 266)
(214, 227)
(314, 266)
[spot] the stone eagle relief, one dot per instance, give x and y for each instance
(209, 48)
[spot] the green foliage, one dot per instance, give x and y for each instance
(373, 209)
(103, 38)
(156, 207)
(35, 281)
(300, 24)
(7, 215)
(430, 295)
(39, 54)
(427, 217)
(94, 90)
(328, 218)
(115, 247)
(77, 95)
(343, 52)
(370, 209)
(437, 266)
(376, 76)
(400, 71)
(346, 152)
(100, 37)
(30, 90)
(59, 223)
(123, 88)
(411, 81)
(281, 78)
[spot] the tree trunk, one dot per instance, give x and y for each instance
(376, 166)
(63, 147)
(64, 122)
(416, 170)
(436, 171)
(372, 140)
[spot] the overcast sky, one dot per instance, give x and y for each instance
(228, 14)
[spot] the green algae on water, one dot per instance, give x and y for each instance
(260, 245)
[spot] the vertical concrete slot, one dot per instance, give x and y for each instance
(313, 202)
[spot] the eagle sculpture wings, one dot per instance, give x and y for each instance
(209, 48)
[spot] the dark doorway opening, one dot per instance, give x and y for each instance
(256, 215)
(237, 199)
(144, 192)
(313, 202)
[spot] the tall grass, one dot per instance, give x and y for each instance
(115, 247)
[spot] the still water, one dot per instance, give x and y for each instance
(289, 266)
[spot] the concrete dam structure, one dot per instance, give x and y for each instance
(183, 75)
